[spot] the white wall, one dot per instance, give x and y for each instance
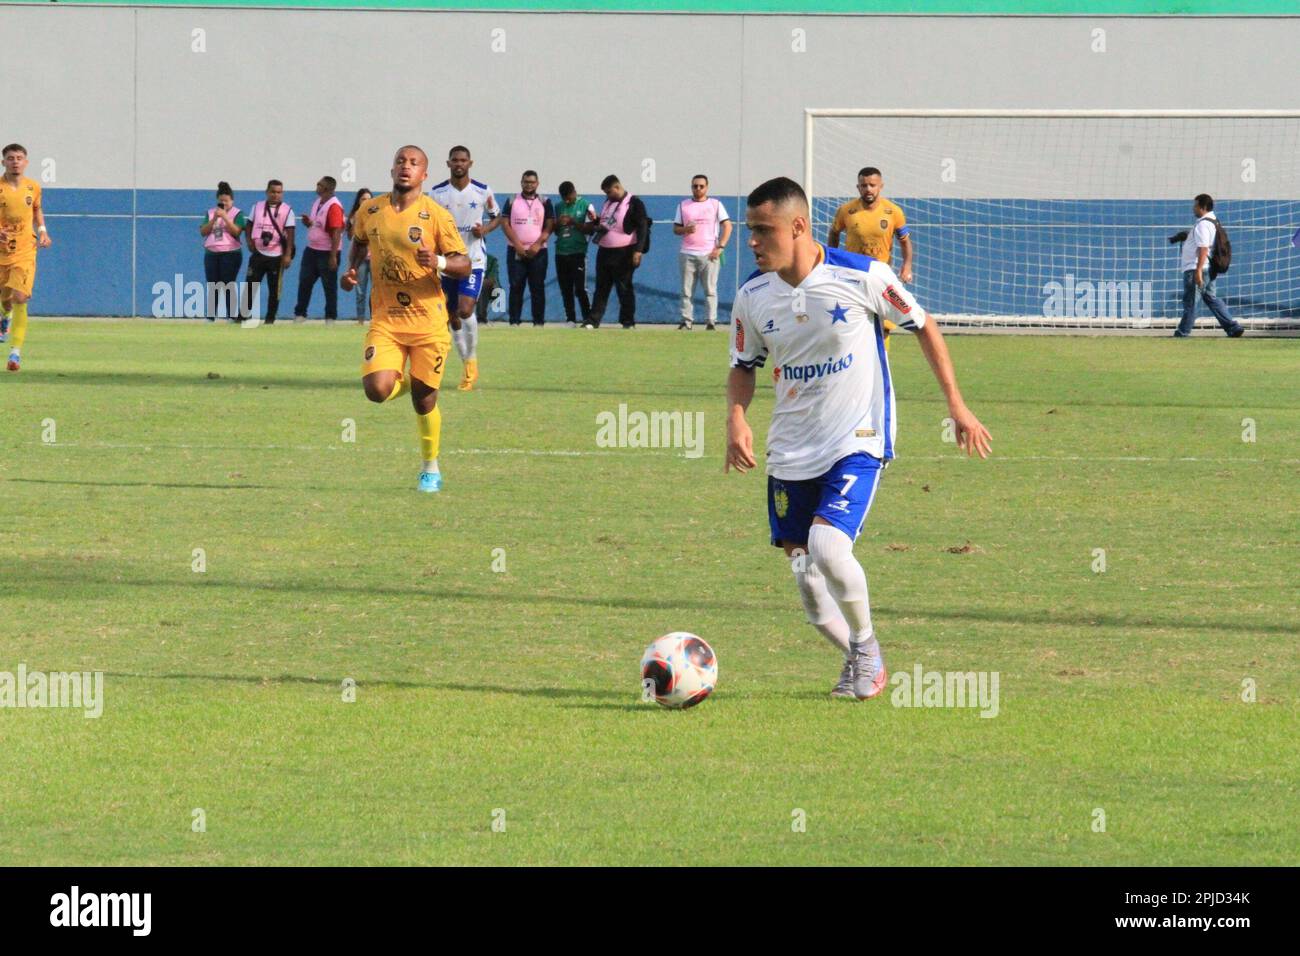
(120, 99)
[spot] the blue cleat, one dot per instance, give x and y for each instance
(4, 327)
(15, 361)
(430, 481)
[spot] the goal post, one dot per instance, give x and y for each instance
(1061, 219)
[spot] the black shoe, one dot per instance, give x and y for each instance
(539, 324)
(1237, 333)
(1182, 335)
(683, 325)
(711, 328)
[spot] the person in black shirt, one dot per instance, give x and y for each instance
(622, 234)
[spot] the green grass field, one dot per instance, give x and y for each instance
(479, 692)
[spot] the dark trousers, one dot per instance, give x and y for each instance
(614, 271)
(532, 273)
(1217, 306)
(315, 265)
(571, 274)
(221, 269)
(263, 267)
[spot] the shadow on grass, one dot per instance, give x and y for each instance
(234, 381)
(363, 682)
(147, 484)
(28, 577)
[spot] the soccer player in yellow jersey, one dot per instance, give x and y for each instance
(411, 240)
(22, 232)
(872, 222)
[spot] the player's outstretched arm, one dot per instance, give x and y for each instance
(740, 437)
(971, 435)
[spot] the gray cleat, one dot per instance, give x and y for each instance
(868, 670)
(844, 687)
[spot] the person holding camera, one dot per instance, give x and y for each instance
(270, 244)
(622, 235)
(222, 254)
(1205, 250)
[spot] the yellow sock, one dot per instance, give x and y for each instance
(430, 433)
(19, 325)
(401, 388)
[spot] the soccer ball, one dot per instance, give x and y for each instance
(679, 669)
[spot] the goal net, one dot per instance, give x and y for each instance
(1061, 219)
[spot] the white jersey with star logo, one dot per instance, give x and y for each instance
(834, 396)
(468, 207)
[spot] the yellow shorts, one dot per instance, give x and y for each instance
(389, 349)
(19, 276)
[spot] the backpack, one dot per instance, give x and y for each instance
(1221, 251)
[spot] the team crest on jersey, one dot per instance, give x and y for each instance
(29, 200)
(896, 300)
(884, 224)
(781, 501)
(414, 233)
(801, 318)
(403, 299)
(370, 352)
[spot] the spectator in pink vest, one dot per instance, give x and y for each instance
(320, 260)
(270, 243)
(622, 233)
(528, 220)
(363, 270)
(705, 227)
(222, 254)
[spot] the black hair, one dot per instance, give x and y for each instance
(608, 181)
(223, 189)
(700, 176)
(273, 182)
(1206, 202)
(779, 192)
(356, 203)
(567, 187)
(459, 149)
(869, 171)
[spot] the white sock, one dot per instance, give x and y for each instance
(430, 465)
(820, 607)
(470, 328)
(466, 338)
(832, 551)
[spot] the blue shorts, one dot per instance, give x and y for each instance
(470, 286)
(842, 496)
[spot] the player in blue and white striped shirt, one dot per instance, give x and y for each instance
(818, 314)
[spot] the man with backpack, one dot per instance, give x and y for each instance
(1205, 247)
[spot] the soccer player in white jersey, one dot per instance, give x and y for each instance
(818, 314)
(468, 200)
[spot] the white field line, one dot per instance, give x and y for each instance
(608, 453)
